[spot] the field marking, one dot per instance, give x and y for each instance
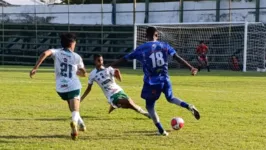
(126, 86)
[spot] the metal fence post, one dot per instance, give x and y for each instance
(114, 12)
(35, 18)
(3, 36)
(218, 6)
(68, 15)
(257, 14)
(181, 11)
(147, 2)
(134, 11)
(102, 35)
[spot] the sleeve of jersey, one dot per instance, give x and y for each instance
(80, 63)
(171, 50)
(53, 52)
(91, 78)
(132, 55)
(111, 70)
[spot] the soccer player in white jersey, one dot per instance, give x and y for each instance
(104, 77)
(68, 66)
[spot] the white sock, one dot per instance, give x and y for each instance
(80, 121)
(154, 116)
(140, 110)
(75, 116)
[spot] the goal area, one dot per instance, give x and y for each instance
(232, 45)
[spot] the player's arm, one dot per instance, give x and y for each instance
(207, 49)
(81, 69)
(118, 62)
(179, 59)
(182, 61)
(198, 50)
(129, 56)
(82, 72)
(42, 57)
(117, 74)
(87, 91)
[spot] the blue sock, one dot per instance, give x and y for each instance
(184, 104)
(179, 102)
(160, 128)
(150, 107)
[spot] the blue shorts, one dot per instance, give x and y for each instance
(153, 92)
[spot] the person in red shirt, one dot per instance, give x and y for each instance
(202, 50)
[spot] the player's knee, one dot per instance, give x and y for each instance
(126, 106)
(150, 104)
(169, 98)
(124, 103)
(131, 102)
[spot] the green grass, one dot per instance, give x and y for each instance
(232, 106)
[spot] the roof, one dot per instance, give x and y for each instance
(24, 2)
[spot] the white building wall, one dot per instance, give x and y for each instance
(90, 14)
(263, 11)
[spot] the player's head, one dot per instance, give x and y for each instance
(152, 33)
(201, 42)
(68, 41)
(98, 60)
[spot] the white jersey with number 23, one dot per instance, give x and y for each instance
(66, 64)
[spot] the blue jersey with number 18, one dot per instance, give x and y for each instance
(153, 56)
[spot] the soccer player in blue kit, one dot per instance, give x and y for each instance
(153, 55)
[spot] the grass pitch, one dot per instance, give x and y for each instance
(232, 106)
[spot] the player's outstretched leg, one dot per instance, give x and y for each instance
(183, 104)
(74, 107)
(167, 90)
(150, 107)
(81, 124)
(129, 103)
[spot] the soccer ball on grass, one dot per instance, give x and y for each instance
(177, 123)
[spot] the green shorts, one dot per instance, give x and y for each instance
(70, 95)
(118, 96)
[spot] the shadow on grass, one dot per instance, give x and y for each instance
(144, 132)
(61, 119)
(37, 119)
(111, 118)
(140, 118)
(112, 137)
(94, 118)
(35, 136)
(127, 135)
(1, 141)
